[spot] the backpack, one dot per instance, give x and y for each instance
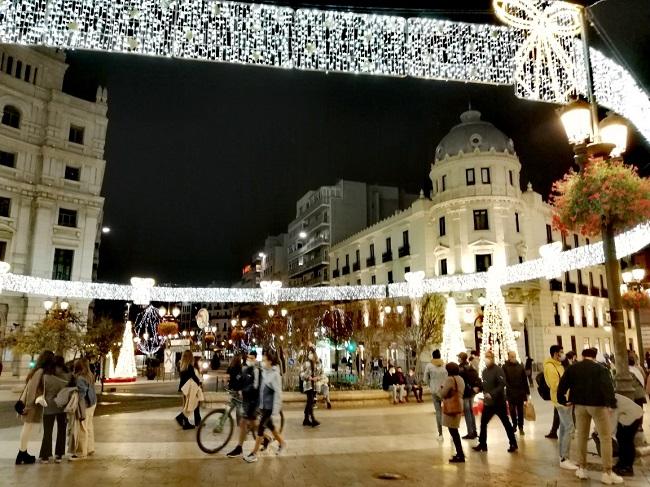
(247, 382)
(542, 387)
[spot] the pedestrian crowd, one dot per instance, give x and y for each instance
(61, 394)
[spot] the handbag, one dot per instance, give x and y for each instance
(453, 404)
(19, 407)
(529, 411)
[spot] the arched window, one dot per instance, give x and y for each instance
(11, 116)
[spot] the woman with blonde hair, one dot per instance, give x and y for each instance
(85, 382)
(188, 373)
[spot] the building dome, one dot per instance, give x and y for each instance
(473, 134)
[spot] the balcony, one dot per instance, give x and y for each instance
(555, 285)
(584, 321)
(604, 293)
(558, 322)
(572, 320)
(345, 270)
(594, 291)
(370, 261)
(387, 256)
(356, 267)
(582, 289)
(404, 251)
(336, 273)
(570, 287)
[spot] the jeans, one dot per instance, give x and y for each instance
(398, 392)
(470, 421)
(457, 443)
(625, 439)
(501, 412)
(556, 422)
(437, 405)
(602, 421)
(86, 442)
(517, 413)
(566, 430)
(48, 428)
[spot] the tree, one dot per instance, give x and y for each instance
(102, 337)
(60, 331)
(428, 330)
(497, 331)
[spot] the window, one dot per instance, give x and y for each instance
(372, 250)
(575, 241)
(559, 340)
(442, 226)
(485, 175)
(10, 65)
(3, 250)
(357, 256)
(483, 262)
(549, 234)
(443, 267)
(11, 116)
(390, 277)
(76, 134)
(405, 238)
(347, 260)
(481, 220)
(443, 183)
(373, 280)
(407, 269)
(67, 218)
(62, 269)
(5, 206)
(72, 173)
(7, 159)
(521, 259)
(573, 343)
(511, 178)
(28, 72)
(388, 249)
(517, 222)
(470, 177)
(35, 74)
(586, 241)
(19, 69)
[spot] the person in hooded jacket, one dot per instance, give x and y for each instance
(270, 404)
(32, 412)
(435, 375)
(55, 378)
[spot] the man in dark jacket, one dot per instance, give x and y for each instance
(472, 386)
(517, 390)
(494, 403)
(591, 392)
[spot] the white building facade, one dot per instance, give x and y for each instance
(477, 216)
(51, 174)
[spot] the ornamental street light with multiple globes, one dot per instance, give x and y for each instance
(633, 281)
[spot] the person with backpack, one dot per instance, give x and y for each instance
(248, 383)
(517, 390)
(553, 372)
(472, 386)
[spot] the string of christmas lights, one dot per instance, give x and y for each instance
(125, 368)
(537, 51)
(452, 335)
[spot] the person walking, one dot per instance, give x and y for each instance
(435, 375)
(494, 403)
(248, 382)
(270, 403)
(472, 385)
(553, 372)
(517, 390)
(452, 407)
(29, 410)
(84, 380)
(591, 392)
(188, 372)
(626, 420)
(55, 377)
(309, 375)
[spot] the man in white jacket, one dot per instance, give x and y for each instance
(435, 375)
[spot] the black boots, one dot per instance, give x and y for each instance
(306, 422)
(180, 419)
(25, 458)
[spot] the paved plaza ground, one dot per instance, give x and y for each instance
(351, 448)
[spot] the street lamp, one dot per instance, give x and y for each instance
(271, 312)
(283, 312)
(176, 311)
(48, 305)
(607, 140)
(633, 279)
(64, 305)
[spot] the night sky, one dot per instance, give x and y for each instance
(204, 159)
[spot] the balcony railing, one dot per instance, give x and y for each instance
(336, 273)
(594, 291)
(584, 320)
(604, 293)
(555, 285)
(356, 266)
(345, 270)
(404, 251)
(370, 261)
(572, 320)
(387, 256)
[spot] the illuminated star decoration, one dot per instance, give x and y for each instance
(545, 63)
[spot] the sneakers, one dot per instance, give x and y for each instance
(611, 478)
(513, 448)
(581, 473)
(57, 459)
(306, 422)
(250, 458)
(43, 460)
(567, 464)
(237, 452)
(314, 423)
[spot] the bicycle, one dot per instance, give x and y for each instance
(217, 427)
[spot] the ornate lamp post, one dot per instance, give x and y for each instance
(633, 279)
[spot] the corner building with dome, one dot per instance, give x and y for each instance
(477, 216)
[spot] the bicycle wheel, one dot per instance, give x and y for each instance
(254, 431)
(215, 431)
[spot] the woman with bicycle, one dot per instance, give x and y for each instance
(270, 403)
(188, 372)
